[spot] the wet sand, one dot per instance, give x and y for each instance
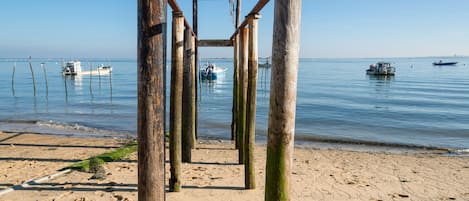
(318, 174)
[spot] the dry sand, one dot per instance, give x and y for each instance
(215, 174)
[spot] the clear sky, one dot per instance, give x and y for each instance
(330, 28)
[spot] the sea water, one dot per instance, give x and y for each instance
(422, 105)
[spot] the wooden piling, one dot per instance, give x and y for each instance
(249, 143)
(91, 78)
(196, 62)
(177, 53)
(151, 64)
(194, 92)
(32, 76)
(234, 109)
(242, 84)
(45, 78)
(187, 106)
(285, 49)
(13, 79)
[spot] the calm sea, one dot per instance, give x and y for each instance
(422, 105)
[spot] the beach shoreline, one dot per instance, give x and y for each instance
(318, 174)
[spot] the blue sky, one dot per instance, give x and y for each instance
(330, 28)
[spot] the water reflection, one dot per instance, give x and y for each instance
(382, 89)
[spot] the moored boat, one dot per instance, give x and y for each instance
(381, 68)
(72, 68)
(211, 72)
(441, 63)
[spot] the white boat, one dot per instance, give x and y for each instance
(211, 72)
(74, 68)
(381, 68)
(101, 70)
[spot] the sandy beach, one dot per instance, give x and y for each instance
(318, 174)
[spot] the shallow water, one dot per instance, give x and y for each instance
(422, 105)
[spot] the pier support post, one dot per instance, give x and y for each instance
(194, 93)
(175, 113)
(196, 61)
(285, 50)
(151, 63)
(250, 136)
(243, 85)
(234, 109)
(187, 106)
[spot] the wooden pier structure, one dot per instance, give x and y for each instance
(152, 51)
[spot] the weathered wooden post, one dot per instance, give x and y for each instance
(285, 49)
(234, 109)
(243, 85)
(196, 62)
(151, 62)
(13, 79)
(187, 107)
(249, 143)
(43, 65)
(194, 92)
(32, 75)
(175, 110)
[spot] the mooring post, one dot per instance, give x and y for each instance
(45, 78)
(32, 75)
(151, 64)
(242, 93)
(13, 79)
(175, 110)
(285, 50)
(194, 92)
(187, 106)
(196, 61)
(234, 109)
(250, 136)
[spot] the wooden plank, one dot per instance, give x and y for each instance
(176, 8)
(175, 113)
(282, 108)
(215, 43)
(257, 8)
(151, 63)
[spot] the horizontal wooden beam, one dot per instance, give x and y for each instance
(257, 8)
(215, 43)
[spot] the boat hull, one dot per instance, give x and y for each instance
(444, 63)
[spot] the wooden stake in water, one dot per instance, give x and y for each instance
(32, 75)
(65, 82)
(43, 65)
(13, 79)
(91, 77)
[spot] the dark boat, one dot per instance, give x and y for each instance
(441, 63)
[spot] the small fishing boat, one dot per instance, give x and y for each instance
(441, 63)
(72, 68)
(266, 64)
(211, 72)
(101, 70)
(381, 68)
